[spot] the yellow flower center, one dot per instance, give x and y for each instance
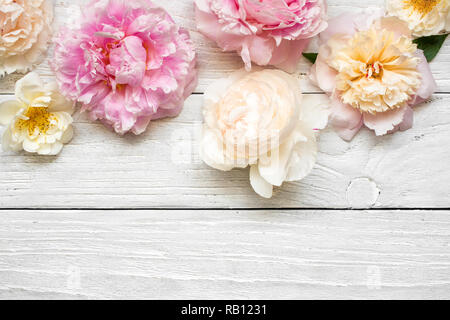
(373, 70)
(38, 118)
(422, 6)
(377, 71)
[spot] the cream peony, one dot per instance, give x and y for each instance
(39, 121)
(25, 32)
(260, 119)
(424, 17)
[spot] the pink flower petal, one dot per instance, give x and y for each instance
(384, 122)
(127, 63)
(324, 74)
(260, 49)
(262, 31)
(408, 120)
(342, 24)
(350, 22)
(346, 120)
(428, 85)
(288, 54)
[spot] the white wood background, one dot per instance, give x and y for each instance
(142, 217)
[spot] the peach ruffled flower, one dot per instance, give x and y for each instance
(424, 17)
(373, 73)
(261, 119)
(266, 32)
(25, 27)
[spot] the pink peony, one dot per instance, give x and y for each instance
(373, 73)
(128, 63)
(267, 32)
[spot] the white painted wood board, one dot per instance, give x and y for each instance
(212, 253)
(225, 254)
(162, 169)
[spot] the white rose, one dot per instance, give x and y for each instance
(424, 17)
(260, 119)
(39, 121)
(25, 33)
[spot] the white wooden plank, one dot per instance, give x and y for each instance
(212, 62)
(161, 169)
(225, 254)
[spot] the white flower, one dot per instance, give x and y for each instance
(260, 119)
(25, 33)
(39, 120)
(424, 17)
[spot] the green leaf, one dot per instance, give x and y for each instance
(311, 57)
(431, 45)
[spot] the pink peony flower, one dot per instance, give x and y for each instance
(373, 73)
(267, 32)
(128, 63)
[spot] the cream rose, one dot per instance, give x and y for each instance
(39, 120)
(424, 17)
(260, 119)
(25, 33)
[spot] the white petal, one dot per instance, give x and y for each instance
(65, 118)
(212, 153)
(303, 159)
(29, 87)
(315, 110)
(59, 102)
(68, 135)
(56, 148)
(8, 142)
(30, 146)
(8, 110)
(13, 64)
(274, 168)
(41, 101)
(215, 92)
(261, 186)
(45, 149)
(50, 149)
(51, 138)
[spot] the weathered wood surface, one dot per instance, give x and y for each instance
(161, 168)
(212, 62)
(213, 253)
(225, 254)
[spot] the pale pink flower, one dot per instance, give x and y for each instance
(373, 73)
(424, 17)
(267, 32)
(128, 63)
